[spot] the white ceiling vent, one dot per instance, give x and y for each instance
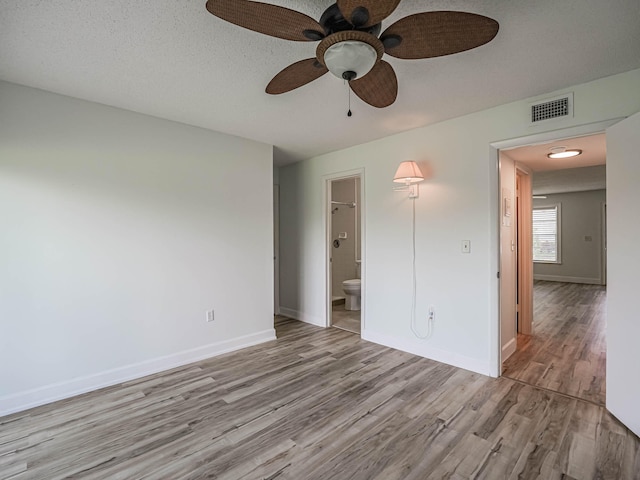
(552, 108)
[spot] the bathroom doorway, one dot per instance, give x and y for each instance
(344, 225)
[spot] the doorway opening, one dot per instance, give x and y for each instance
(344, 228)
(553, 267)
(276, 250)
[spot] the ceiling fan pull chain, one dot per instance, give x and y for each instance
(349, 89)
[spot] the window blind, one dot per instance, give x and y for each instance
(545, 234)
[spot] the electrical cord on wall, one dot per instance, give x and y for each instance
(414, 326)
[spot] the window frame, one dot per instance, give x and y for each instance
(558, 208)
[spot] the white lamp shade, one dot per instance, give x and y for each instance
(350, 55)
(408, 172)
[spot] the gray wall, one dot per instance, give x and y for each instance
(570, 180)
(581, 217)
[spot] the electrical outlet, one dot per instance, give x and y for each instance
(432, 312)
(210, 316)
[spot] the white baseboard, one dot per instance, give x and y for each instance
(422, 349)
(58, 391)
(509, 349)
(296, 315)
(562, 278)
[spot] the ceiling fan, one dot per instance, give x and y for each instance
(351, 46)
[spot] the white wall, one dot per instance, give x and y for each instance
(117, 232)
(623, 230)
(581, 257)
(458, 201)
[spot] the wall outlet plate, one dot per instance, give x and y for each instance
(210, 316)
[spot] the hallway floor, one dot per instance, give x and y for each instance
(567, 352)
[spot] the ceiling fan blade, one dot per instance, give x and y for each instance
(269, 19)
(365, 13)
(434, 34)
(296, 75)
(379, 87)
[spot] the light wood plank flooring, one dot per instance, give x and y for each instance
(318, 404)
(567, 351)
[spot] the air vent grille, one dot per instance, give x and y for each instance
(558, 107)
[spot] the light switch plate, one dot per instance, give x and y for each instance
(466, 246)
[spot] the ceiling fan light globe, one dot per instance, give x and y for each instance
(350, 56)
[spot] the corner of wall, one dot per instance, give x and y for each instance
(422, 349)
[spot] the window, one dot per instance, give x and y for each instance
(546, 234)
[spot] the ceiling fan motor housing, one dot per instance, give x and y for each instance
(333, 21)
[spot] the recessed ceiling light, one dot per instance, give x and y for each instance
(562, 152)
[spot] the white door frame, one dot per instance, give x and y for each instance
(359, 172)
(603, 243)
(495, 360)
(276, 249)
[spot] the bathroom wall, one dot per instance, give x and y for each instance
(344, 220)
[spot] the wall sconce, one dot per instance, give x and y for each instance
(408, 173)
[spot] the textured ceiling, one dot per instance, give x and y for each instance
(594, 152)
(172, 59)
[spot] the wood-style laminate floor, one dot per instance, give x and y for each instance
(567, 351)
(345, 319)
(318, 404)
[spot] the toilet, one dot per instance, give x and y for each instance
(352, 291)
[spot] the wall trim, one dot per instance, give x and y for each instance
(58, 391)
(421, 349)
(302, 317)
(562, 278)
(509, 349)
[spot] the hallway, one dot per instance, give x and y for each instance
(567, 353)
